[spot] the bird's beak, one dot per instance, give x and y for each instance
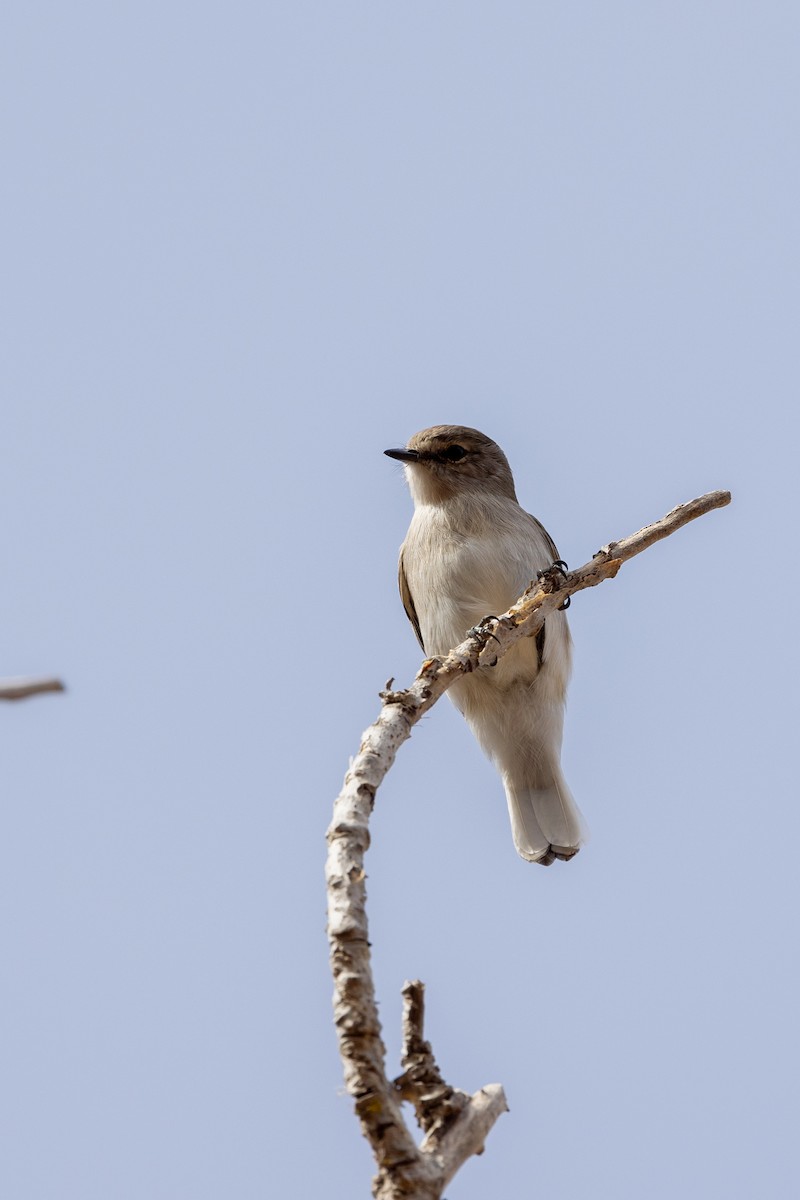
(403, 455)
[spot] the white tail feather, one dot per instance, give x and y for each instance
(545, 821)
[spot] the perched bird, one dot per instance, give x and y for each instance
(471, 551)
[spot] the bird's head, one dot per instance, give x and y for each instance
(451, 460)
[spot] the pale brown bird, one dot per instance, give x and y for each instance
(471, 551)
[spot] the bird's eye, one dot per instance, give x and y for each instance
(454, 453)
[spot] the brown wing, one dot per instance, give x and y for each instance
(540, 636)
(550, 543)
(408, 603)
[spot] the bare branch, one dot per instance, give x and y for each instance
(435, 1102)
(455, 1124)
(22, 687)
(676, 518)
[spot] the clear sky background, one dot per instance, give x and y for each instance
(248, 246)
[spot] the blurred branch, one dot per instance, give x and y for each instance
(22, 687)
(454, 1123)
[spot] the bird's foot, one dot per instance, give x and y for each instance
(559, 567)
(481, 633)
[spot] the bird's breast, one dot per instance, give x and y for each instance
(456, 578)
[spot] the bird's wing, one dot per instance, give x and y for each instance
(540, 636)
(408, 603)
(552, 548)
(553, 551)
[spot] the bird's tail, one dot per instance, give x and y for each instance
(545, 820)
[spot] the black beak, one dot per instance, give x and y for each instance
(403, 455)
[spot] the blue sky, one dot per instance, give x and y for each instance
(246, 248)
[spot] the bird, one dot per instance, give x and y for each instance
(471, 550)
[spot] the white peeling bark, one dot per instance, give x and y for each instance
(455, 1125)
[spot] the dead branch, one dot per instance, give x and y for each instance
(22, 687)
(455, 1124)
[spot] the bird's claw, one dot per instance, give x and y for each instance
(559, 567)
(480, 631)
